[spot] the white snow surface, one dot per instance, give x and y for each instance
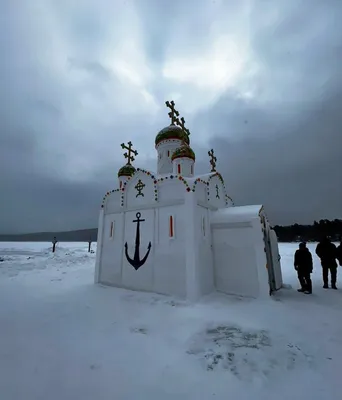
(62, 337)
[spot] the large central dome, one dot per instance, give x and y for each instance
(172, 132)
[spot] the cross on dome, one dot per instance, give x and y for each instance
(173, 114)
(213, 160)
(181, 124)
(129, 152)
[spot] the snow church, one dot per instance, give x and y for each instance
(176, 233)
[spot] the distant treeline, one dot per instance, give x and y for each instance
(291, 233)
(70, 236)
(310, 233)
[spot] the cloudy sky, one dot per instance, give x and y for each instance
(259, 81)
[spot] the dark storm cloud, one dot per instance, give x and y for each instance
(295, 172)
(289, 153)
(64, 111)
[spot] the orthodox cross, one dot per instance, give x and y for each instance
(213, 160)
(217, 192)
(139, 187)
(129, 152)
(181, 123)
(173, 114)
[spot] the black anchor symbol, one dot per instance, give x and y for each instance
(136, 262)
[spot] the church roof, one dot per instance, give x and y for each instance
(183, 151)
(236, 214)
(126, 170)
(172, 132)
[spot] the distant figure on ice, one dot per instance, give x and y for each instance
(339, 252)
(89, 245)
(303, 265)
(327, 252)
(54, 242)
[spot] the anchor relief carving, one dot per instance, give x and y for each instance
(136, 262)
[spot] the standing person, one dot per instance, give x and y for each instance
(54, 242)
(327, 252)
(303, 265)
(339, 252)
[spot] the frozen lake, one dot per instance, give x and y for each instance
(64, 338)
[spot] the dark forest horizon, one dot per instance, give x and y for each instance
(285, 233)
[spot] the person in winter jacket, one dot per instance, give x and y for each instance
(54, 242)
(303, 265)
(327, 252)
(339, 252)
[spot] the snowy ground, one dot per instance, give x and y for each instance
(61, 337)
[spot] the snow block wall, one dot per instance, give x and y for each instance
(204, 249)
(164, 270)
(216, 192)
(239, 258)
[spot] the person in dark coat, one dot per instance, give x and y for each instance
(339, 252)
(303, 265)
(327, 252)
(54, 242)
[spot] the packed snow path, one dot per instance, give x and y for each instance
(62, 337)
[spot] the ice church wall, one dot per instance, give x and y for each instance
(170, 188)
(216, 191)
(204, 249)
(164, 270)
(170, 251)
(141, 190)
